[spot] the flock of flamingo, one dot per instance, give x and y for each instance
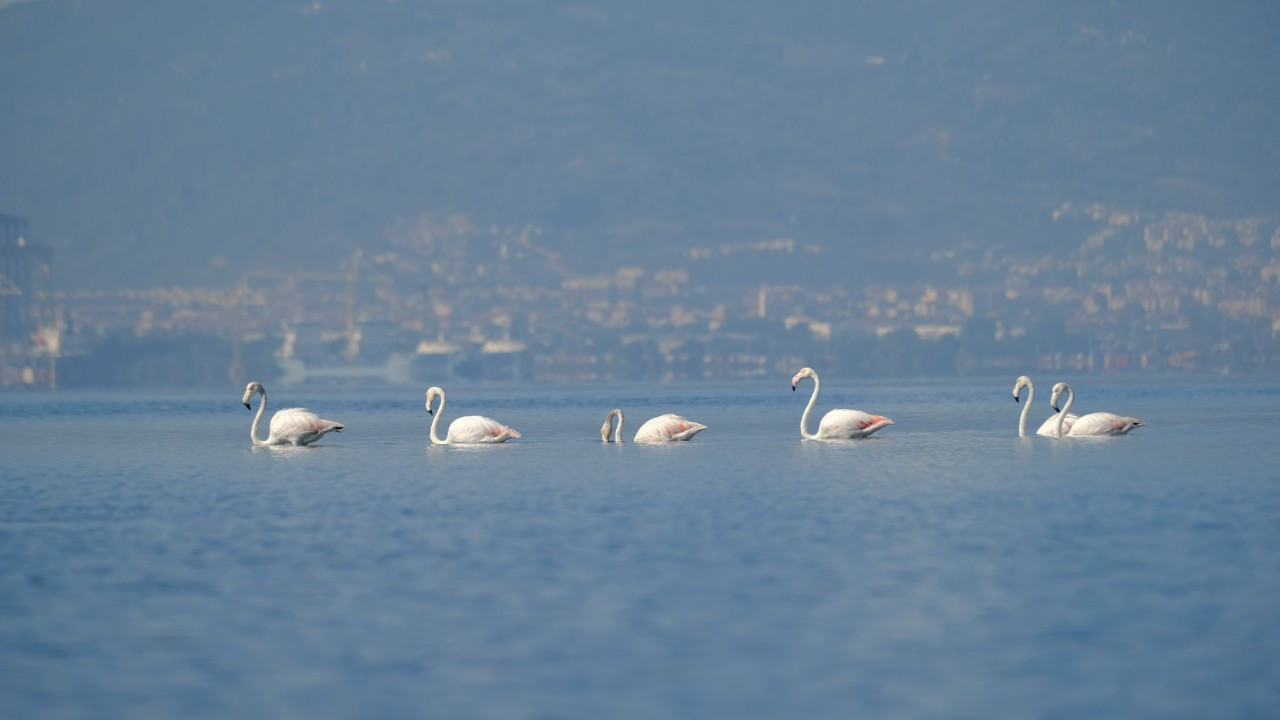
(299, 426)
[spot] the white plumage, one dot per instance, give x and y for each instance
(665, 428)
(839, 424)
(468, 429)
(290, 426)
(1094, 424)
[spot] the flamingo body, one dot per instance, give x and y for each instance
(299, 426)
(290, 426)
(667, 428)
(478, 429)
(1099, 424)
(468, 429)
(839, 424)
(1049, 428)
(1102, 423)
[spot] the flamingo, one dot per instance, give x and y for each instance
(468, 428)
(838, 424)
(291, 426)
(1050, 426)
(664, 428)
(608, 426)
(1093, 424)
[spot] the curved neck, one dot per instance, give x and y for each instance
(804, 419)
(1062, 415)
(435, 424)
(257, 420)
(617, 432)
(1026, 408)
(609, 428)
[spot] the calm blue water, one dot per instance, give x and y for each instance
(153, 564)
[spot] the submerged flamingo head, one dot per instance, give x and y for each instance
(804, 373)
(253, 387)
(608, 424)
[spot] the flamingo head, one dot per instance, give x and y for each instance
(250, 389)
(804, 373)
(432, 393)
(1022, 381)
(1058, 390)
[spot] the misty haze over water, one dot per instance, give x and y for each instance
(1100, 178)
(153, 143)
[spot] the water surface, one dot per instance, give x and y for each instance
(154, 564)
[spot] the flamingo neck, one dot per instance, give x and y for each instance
(1062, 416)
(435, 424)
(1022, 419)
(804, 419)
(617, 433)
(257, 420)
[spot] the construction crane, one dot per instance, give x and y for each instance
(350, 279)
(353, 330)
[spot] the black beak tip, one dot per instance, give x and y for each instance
(246, 406)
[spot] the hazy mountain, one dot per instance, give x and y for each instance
(171, 142)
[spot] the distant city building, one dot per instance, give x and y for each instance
(26, 295)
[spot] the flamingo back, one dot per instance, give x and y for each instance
(479, 429)
(668, 428)
(300, 426)
(1103, 423)
(1049, 427)
(842, 423)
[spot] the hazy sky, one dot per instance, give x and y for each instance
(159, 143)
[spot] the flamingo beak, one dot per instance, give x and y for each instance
(793, 387)
(246, 406)
(1055, 407)
(1017, 399)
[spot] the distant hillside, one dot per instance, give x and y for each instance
(174, 142)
